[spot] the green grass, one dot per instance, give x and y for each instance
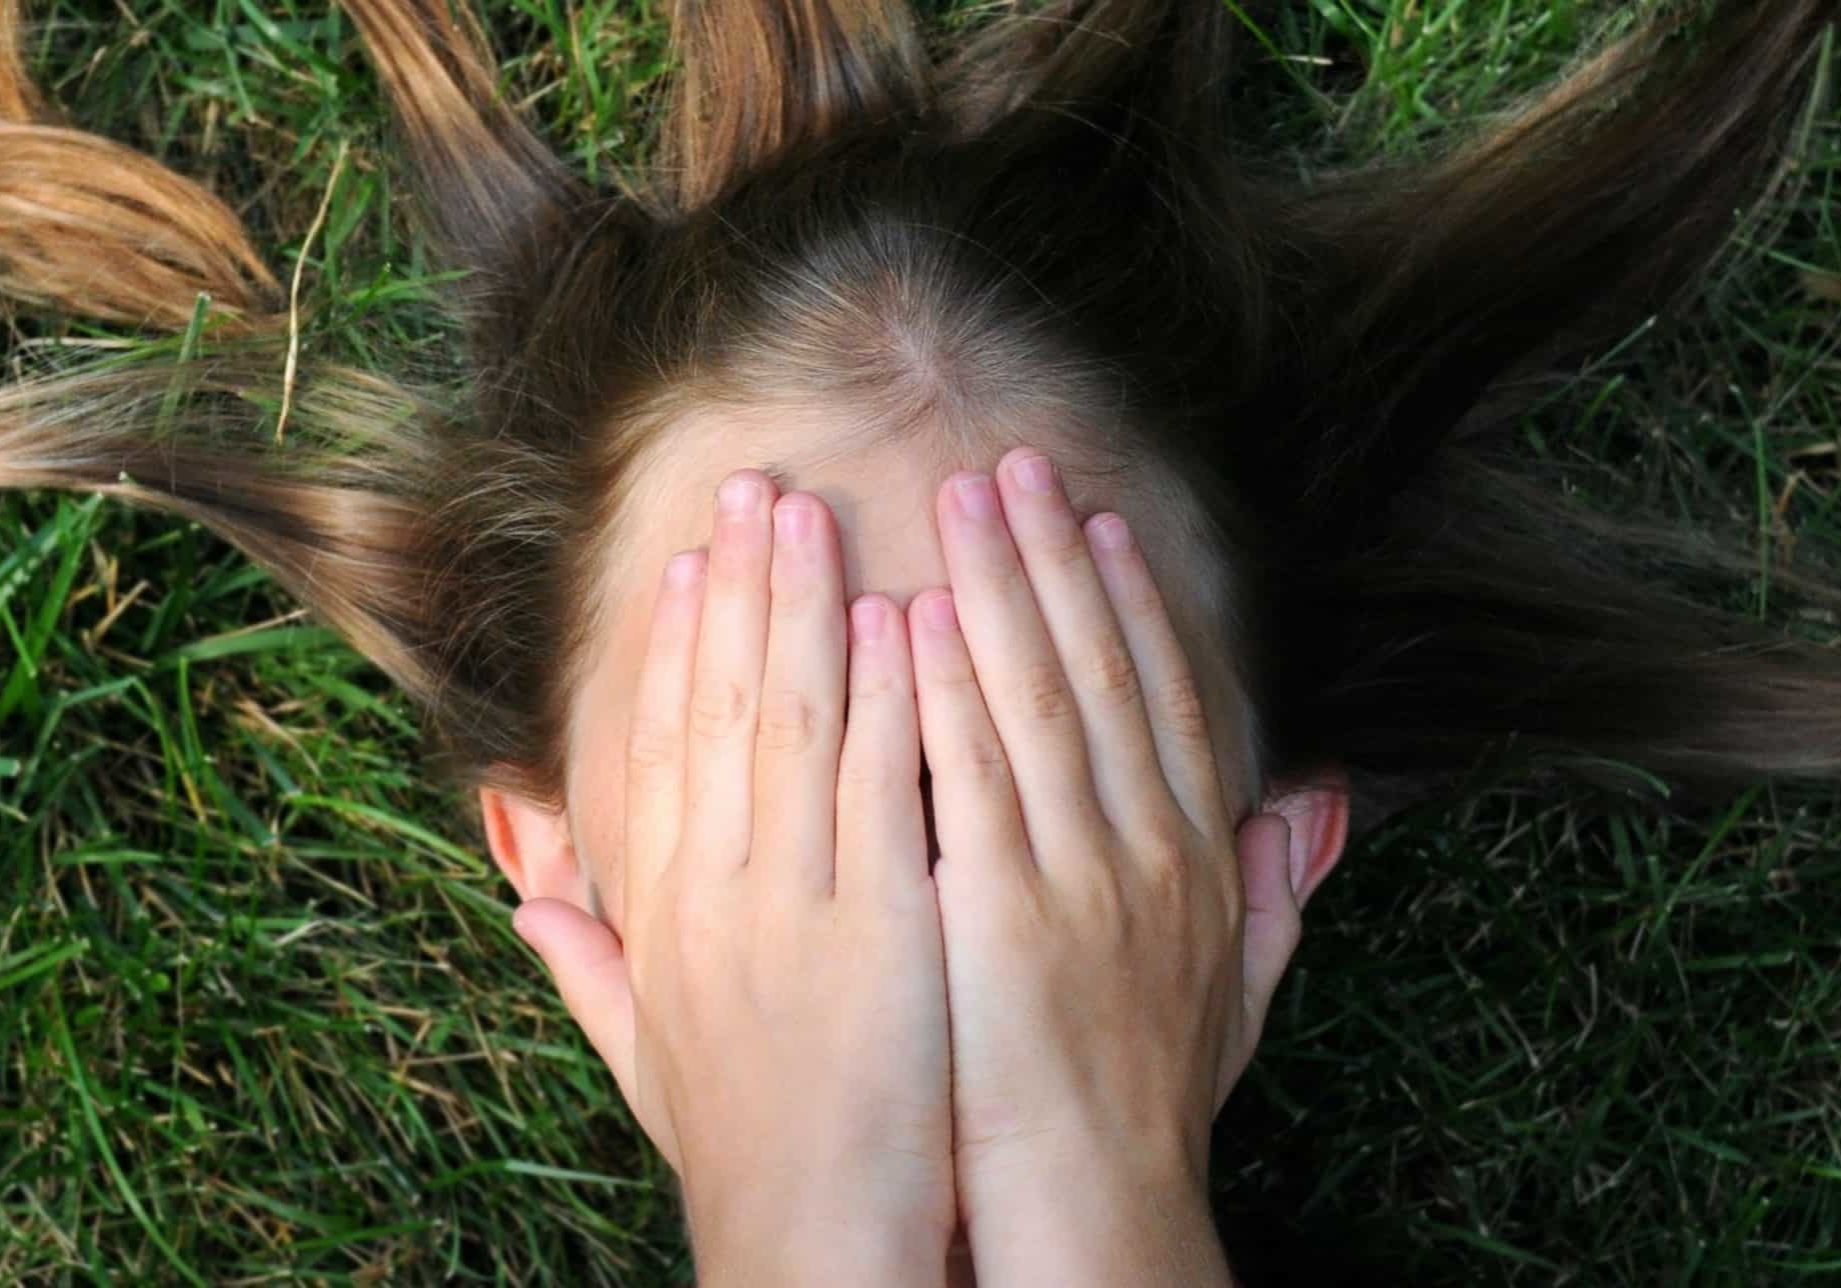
(261, 1012)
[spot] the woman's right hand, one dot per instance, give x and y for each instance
(1107, 971)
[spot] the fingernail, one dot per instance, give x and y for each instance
(866, 620)
(977, 498)
(1037, 474)
(940, 613)
(737, 496)
(681, 570)
(792, 521)
(1110, 533)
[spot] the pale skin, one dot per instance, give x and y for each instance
(1098, 822)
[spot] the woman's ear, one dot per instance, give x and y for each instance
(1317, 808)
(534, 850)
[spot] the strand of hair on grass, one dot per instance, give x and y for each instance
(188, 346)
(289, 371)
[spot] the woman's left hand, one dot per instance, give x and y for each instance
(776, 1014)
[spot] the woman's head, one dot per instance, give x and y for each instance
(845, 326)
(866, 264)
(833, 283)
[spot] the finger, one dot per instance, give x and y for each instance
(726, 692)
(1273, 925)
(655, 742)
(801, 723)
(975, 810)
(881, 831)
(1094, 654)
(586, 963)
(1019, 673)
(1172, 698)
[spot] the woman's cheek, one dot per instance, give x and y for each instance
(597, 810)
(610, 844)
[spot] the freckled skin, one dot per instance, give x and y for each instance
(883, 505)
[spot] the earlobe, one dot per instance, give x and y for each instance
(532, 846)
(1317, 808)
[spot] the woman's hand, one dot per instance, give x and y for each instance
(777, 1014)
(1093, 909)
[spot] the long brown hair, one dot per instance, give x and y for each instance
(1053, 213)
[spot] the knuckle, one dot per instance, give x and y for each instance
(958, 679)
(789, 722)
(1110, 672)
(1043, 693)
(1064, 546)
(1098, 899)
(719, 709)
(652, 744)
(873, 683)
(982, 760)
(1180, 708)
(1008, 578)
(1290, 927)
(952, 678)
(1164, 857)
(870, 775)
(1165, 897)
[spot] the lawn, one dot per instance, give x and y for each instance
(262, 1015)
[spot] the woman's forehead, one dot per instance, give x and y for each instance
(881, 491)
(882, 497)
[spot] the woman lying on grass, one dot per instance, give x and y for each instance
(866, 267)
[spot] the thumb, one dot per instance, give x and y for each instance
(585, 960)
(1273, 922)
(1271, 933)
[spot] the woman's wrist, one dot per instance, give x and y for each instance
(839, 1256)
(773, 1243)
(1101, 1222)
